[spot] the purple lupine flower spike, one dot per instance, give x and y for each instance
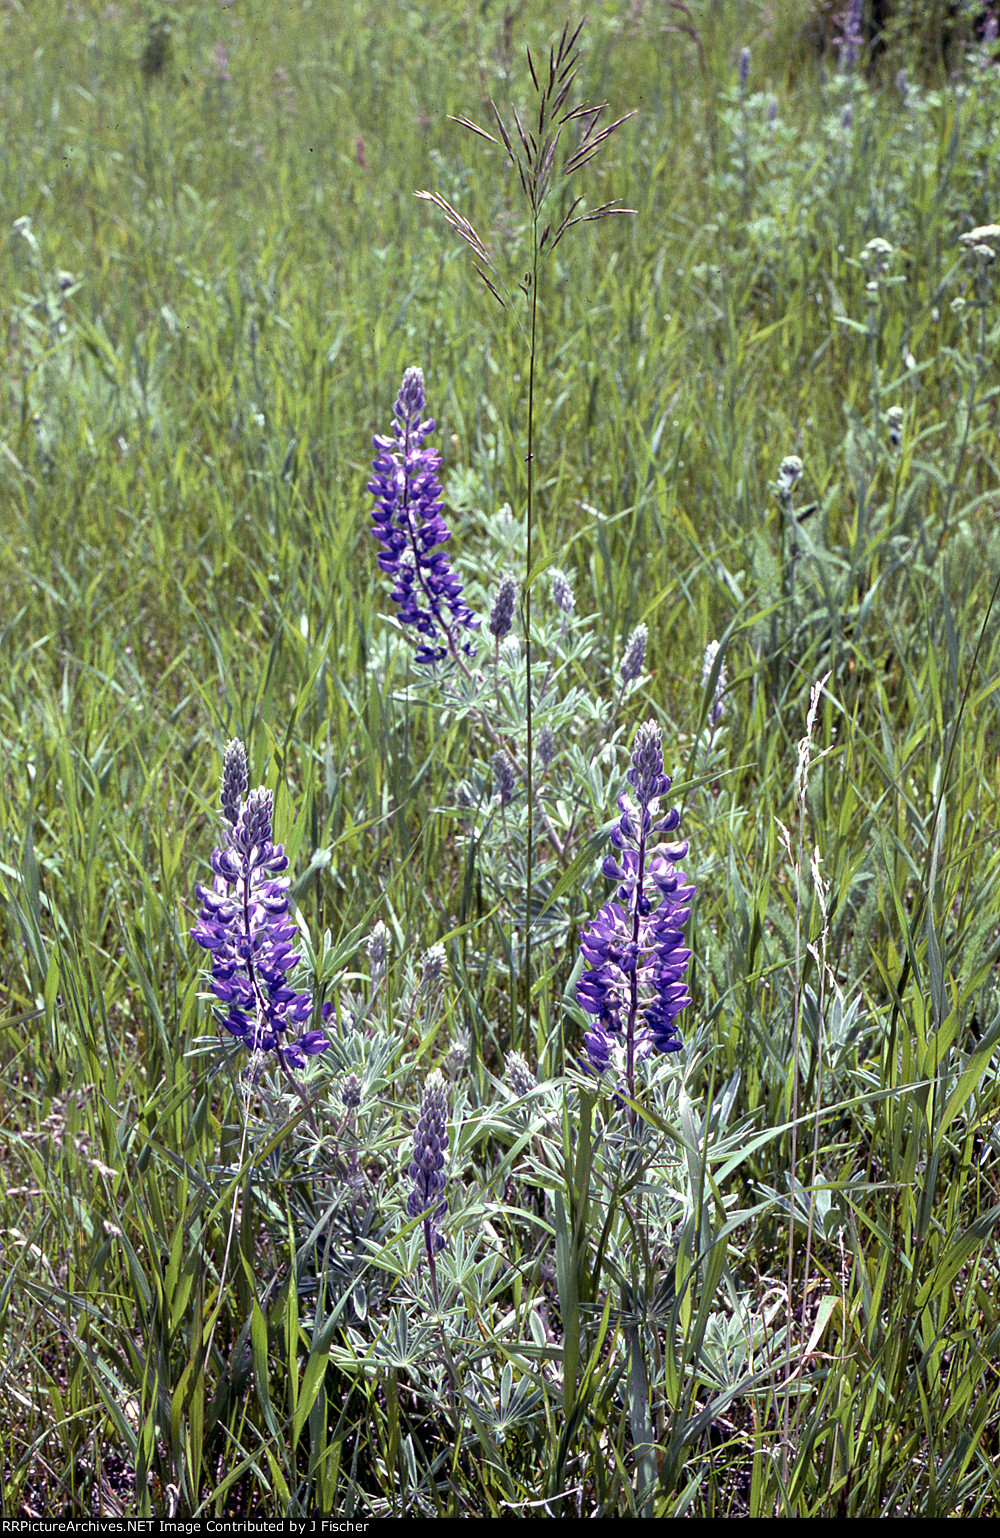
(409, 525)
(245, 926)
(430, 1149)
(634, 984)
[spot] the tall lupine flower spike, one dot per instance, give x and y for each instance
(634, 984)
(408, 523)
(430, 1149)
(245, 926)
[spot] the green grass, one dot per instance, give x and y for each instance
(780, 1293)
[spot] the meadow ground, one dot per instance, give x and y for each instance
(539, 1230)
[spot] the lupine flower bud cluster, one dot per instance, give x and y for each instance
(634, 656)
(376, 945)
(245, 926)
(504, 775)
(634, 984)
(518, 1075)
(789, 475)
(546, 747)
(502, 612)
(409, 524)
(433, 966)
(894, 419)
(562, 592)
(430, 1149)
(715, 710)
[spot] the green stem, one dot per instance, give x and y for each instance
(527, 627)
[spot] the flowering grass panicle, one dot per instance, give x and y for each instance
(409, 524)
(245, 926)
(634, 984)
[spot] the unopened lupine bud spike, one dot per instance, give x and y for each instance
(234, 780)
(376, 944)
(634, 656)
(430, 1151)
(504, 775)
(502, 612)
(518, 1075)
(562, 592)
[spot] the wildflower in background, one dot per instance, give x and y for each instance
(409, 525)
(894, 419)
(715, 710)
(789, 475)
(562, 592)
(283, 91)
(772, 109)
(218, 65)
(430, 1148)
(743, 69)
(852, 35)
(847, 116)
(502, 612)
(546, 747)
(634, 657)
(504, 775)
(981, 247)
(877, 257)
(634, 984)
(245, 926)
